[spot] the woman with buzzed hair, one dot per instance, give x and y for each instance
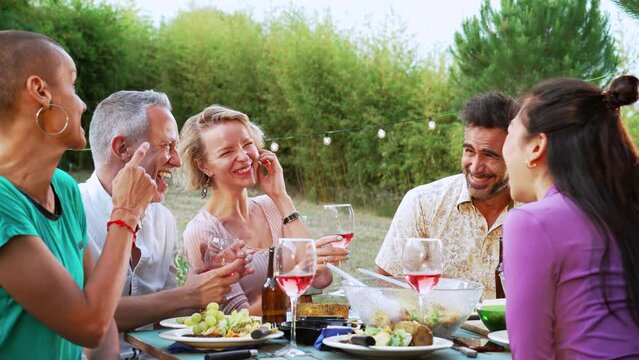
(53, 300)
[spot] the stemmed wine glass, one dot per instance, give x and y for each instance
(339, 219)
(422, 265)
(295, 265)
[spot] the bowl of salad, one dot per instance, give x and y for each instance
(381, 304)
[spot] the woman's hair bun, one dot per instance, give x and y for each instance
(623, 91)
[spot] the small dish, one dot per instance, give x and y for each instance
(173, 324)
(493, 316)
(500, 338)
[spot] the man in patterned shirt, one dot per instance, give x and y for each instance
(466, 210)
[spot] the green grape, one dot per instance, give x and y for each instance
(196, 318)
(244, 314)
(180, 320)
(219, 315)
(203, 325)
(188, 321)
(197, 329)
(211, 313)
(210, 320)
(213, 306)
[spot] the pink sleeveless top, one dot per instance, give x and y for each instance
(205, 226)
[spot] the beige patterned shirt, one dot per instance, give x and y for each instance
(443, 210)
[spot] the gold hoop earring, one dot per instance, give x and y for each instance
(529, 164)
(43, 109)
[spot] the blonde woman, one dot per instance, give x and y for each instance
(222, 154)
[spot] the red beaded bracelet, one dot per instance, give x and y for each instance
(123, 224)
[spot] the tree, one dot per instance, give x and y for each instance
(112, 47)
(631, 7)
(525, 41)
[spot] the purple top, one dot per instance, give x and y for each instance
(556, 307)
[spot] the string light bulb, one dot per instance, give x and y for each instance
(327, 139)
(274, 146)
(381, 133)
(431, 124)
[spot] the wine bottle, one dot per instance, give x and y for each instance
(274, 300)
(499, 287)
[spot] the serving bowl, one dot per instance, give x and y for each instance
(380, 303)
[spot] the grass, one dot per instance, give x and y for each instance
(369, 233)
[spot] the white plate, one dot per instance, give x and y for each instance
(173, 324)
(213, 342)
(387, 352)
(500, 338)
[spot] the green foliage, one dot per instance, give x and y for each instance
(181, 267)
(525, 41)
(631, 7)
(110, 45)
(298, 75)
(208, 57)
(631, 121)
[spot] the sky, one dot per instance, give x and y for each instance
(431, 23)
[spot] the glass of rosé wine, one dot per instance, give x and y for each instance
(339, 219)
(422, 265)
(295, 265)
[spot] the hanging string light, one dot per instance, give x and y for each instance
(327, 139)
(381, 129)
(431, 123)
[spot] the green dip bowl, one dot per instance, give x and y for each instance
(493, 316)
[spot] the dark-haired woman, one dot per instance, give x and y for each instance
(572, 253)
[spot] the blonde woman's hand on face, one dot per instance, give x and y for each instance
(272, 184)
(132, 187)
(327, 253)
(211, 286)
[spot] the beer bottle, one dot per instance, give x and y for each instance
(273, 298)
(499, 287)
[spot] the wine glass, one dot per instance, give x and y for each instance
(214, 255)
(295, 265)
(339, 219)
(422, 265)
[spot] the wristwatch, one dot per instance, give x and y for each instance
(294, 215)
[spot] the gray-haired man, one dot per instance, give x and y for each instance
(120, 123)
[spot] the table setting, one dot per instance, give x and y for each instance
(420, 315)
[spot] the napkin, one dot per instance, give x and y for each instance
(328, 332)
(176, 347)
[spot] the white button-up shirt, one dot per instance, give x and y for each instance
(156, 239)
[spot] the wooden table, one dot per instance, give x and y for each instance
(149, 342)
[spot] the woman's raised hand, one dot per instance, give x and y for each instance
(272, 184)
(132, 187)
